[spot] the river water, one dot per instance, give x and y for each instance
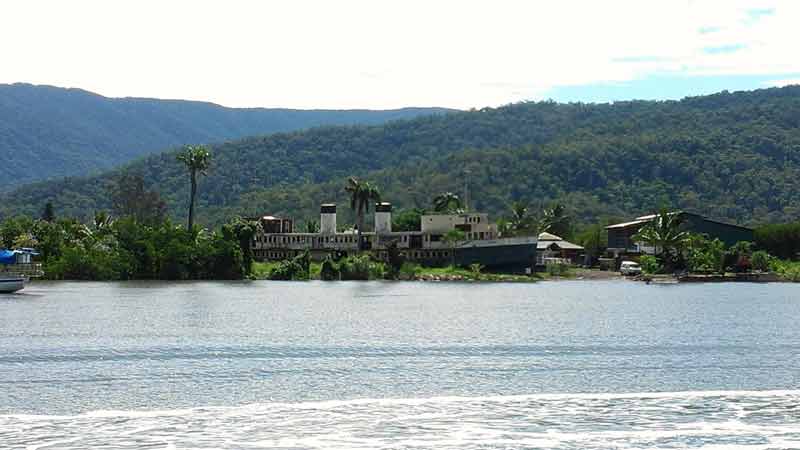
(562, 365)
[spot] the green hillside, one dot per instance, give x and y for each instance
(49, 132)
(733, 156)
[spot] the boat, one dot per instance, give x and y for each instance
(17, 268)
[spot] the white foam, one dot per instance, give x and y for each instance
(709, 419)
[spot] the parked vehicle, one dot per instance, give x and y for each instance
(630, 268)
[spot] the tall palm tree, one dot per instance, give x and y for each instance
(666, 234)
(362, 194)
(447, 202)
(520, 220)
(197, 158)
(555, 220)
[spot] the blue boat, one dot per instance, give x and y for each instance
(17, 268)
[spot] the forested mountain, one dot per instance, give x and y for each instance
(48, 131)
(732, 156)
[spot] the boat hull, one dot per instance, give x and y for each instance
(9, 285)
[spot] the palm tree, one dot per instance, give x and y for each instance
(520, 220)
(555, 220)
(362, 194)
(665, 233)
(447, 202)
(312, 226)
(197, 158)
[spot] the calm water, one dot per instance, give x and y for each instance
(400, 365)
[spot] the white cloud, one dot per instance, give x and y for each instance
(379, 54)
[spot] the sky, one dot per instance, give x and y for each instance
(382, 54)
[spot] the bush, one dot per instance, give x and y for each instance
(760, 260)
(787, 270)
(704, 255)
(737, 258)
(355, 268)
(296, 269)
(409, 271)
(329, 271)
(650, 264)
(557, 269)
(780, 240)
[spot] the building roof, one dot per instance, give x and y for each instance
(563, 245)
(628, 224)
(548, 239)
(644, 219)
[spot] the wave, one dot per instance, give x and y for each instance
(702, 419)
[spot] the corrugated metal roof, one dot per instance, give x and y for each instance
(564, 245)
(627, 224)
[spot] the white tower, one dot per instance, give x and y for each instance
(327, 218)
(383, 217)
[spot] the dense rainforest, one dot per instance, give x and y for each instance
(730, 156)
(48, 132)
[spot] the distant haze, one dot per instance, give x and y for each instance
(388, 54)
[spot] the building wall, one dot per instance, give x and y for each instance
(474, 225)
(729, 234)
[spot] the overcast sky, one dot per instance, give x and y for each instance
(388, 54)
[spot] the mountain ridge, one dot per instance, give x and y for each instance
(48, 131)
(734, 156)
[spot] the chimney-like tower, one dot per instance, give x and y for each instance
(327, 218)
(383, 217)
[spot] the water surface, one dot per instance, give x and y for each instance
(400, 365)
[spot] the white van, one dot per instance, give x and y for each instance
(630, 268)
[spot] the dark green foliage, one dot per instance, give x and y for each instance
(407, 220)
(47, 131)
(447, 202)
(555, 220)
(650, 264)
(703, 254)
(125, 249)
(665, 233)
(737, 258)
(130, 198)
(297, 268)
(395, 260)
(48, 214)
(732, 157)
(329, 271)
(594, 240)
(781, 240)
(242, 231)
(760, 260)
(355, 267)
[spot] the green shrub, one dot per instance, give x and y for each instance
(650, 264)
(329, 270)
(760, 260)
(296, 268)
(409, 271)
(704, 255)
(787, 270)
(355, 267)
(780, 240)
(557, 269)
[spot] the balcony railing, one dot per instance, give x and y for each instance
(32, 270)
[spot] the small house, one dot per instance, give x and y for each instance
(552, 248)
